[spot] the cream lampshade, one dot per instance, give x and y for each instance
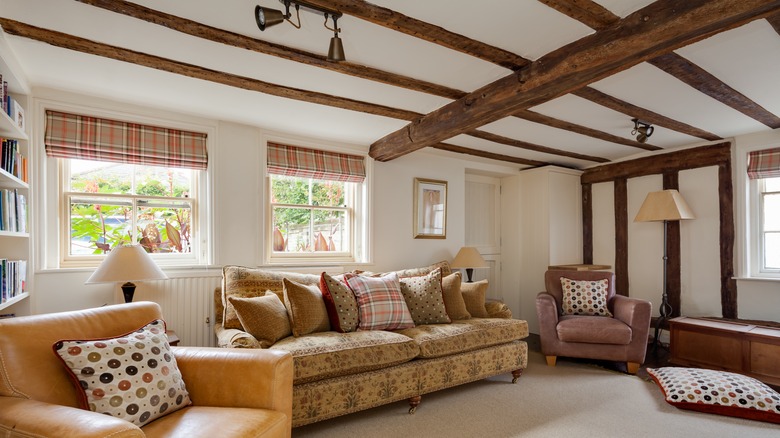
(469, 258)
(127, 264)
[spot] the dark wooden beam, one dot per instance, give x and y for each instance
(535, 117)
(587, 12)
(490, 155)
(659, 28)
(621, 237)
(673, 272)
(774, 20)
(646, 115)
(214, 34)
(728, 285)
(426, 31)
(711, 155)
(587, 224)
(708, 84)
(532, 147)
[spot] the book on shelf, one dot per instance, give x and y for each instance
(13, 211)
(13, 278)
(11, 159)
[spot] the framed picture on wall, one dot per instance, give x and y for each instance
(430, 209)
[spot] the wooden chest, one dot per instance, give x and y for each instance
(747, 349)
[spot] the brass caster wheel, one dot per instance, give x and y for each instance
(412, 410)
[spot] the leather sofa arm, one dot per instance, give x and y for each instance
(547, 314)
(20, 417)
(245, 378)
(632, 311)
(497, 309)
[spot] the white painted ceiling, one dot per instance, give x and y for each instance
(746, 58)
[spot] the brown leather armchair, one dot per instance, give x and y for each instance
(235, 393)
(621, 338)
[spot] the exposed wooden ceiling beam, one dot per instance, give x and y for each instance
(708, 84)
(490, 155)
(210, 33)
(587, 12)
(774, 20)
(426, 31)
(659, 28)
(532, 147)
(646, 115)
(535, 117)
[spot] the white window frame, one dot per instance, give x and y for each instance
(756, 205)
(48, 197)
(357, 199)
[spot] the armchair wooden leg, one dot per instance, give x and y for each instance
(632, 367)
(551, 360)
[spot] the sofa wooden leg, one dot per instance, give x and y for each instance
(632, 367)
(413, 403)
(516, 375)
(551, 360)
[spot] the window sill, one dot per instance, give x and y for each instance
(770, 279)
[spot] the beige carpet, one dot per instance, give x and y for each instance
(571, 399)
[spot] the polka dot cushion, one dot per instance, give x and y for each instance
(718, 392)
(585, 297)
(133, 377)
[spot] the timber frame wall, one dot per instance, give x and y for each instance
(668, 165)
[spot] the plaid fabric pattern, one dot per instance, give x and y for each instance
(92, 138)
(381, 305)
(764, 164)
(311, 163)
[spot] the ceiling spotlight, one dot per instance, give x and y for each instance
(267, 17)
(642, 130)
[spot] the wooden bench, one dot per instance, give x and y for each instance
(748, 349)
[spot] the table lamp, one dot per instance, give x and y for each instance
(469, 258)
(127, 264)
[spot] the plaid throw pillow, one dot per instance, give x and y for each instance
(381, 305)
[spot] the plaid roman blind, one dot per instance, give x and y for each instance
(764, 163)
(312, 163)
(93, 138)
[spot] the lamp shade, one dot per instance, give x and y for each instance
(469, 257)
(127, 263)
(666, 205)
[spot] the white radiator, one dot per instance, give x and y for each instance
(187, 304)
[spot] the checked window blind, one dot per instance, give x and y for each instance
(764, 163)
(312, 163)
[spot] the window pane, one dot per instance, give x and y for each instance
(772, 250)
(289, 190)
(772, 212)
(163, 181)
(772, 184)
(292, 231)
(164, 226)
(98, 225)
(327, 193)
(100, 177)
(330, 231)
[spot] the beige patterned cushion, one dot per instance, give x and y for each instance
(474, 296)
(340, 302)
(453, 299)
(264, 317)
(306, 308)
(322, 355)
(239, 281)
(585, 297)
(416, 272)
(472, 334)
(423, 296)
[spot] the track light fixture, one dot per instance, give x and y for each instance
(267, 17)
(642, 130)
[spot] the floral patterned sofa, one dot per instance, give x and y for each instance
(340, 366)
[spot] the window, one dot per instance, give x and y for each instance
(125, 183)
(769, 224)
(316, 205)
(763, 171)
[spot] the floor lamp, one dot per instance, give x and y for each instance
(663, 206)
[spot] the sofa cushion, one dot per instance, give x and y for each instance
(453, 298)
(340, 302)
(306, 308)
(443, 265)
(593, 330)
(133, 377)
(472, 334)
(264, 317)
(381, 305)
(474, 296)
(585, 297)
(322, 355)
(253, 282)
(423, 296)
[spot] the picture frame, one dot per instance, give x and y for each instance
(430, 209)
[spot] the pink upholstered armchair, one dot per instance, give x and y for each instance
(620, 338)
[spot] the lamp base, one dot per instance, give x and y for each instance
(469, 273)
(128, 290)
